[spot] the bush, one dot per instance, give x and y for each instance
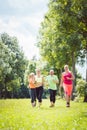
(81, 88)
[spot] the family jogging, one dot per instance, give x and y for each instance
(36, 83)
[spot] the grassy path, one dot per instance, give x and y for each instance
(19, 115)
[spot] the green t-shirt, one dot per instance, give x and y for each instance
(51, 84)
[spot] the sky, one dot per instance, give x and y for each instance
(22, 18)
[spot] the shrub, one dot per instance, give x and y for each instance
(81, 88)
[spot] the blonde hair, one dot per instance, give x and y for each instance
(66, 66)
(51, 70)
(37, 69)
(31, 74)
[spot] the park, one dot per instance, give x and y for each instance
(44, 35)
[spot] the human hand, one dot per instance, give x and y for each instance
(68, 78)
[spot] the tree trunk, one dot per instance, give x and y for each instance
(74, 73)
(85, 99)
(5, 96)
(5, 92)
(86, 65)
(0, 94)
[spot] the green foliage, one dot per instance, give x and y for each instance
(62, 33)
(30, 68)
(13, 85)
(5, 57)
(12, 64)
(81, 87)
(19, 115)
(23, 92)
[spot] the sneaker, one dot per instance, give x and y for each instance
(52, 105)
(68, 104)
(34, 104)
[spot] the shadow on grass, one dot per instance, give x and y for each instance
(84, 114)
(52, 108)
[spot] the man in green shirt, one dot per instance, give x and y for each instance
(52, 81)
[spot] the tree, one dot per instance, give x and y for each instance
(13, 63)
(81, 88)
(31, 67)
(79, 9)
(60, 39)
(5, 67)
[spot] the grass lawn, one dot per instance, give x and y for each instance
(18, 114)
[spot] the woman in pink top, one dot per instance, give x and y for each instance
(67, 83)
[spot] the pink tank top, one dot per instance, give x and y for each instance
(65, 80)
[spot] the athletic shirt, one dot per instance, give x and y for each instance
(39, 81)
(31, 84)
(51, 84)
(65, 80)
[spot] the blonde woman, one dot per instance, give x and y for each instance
(39, 86)
(67, 83)
(32, 87)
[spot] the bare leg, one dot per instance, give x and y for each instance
(67, 97)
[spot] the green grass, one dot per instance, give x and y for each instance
(18, 114)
